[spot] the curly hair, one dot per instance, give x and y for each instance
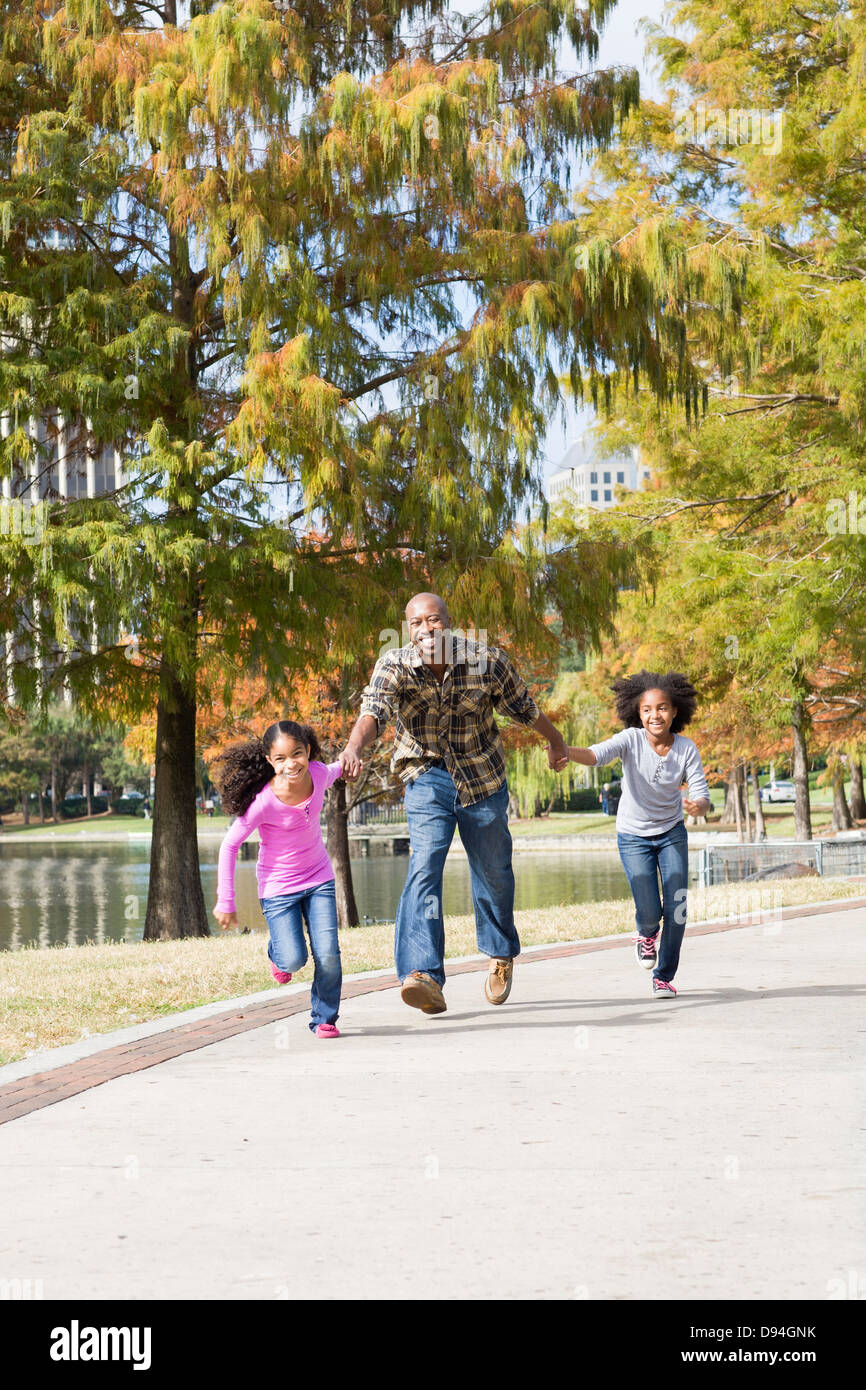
(240, 772)
(630, 689)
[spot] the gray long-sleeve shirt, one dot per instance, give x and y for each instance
(651, 802)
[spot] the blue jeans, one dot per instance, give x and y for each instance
(433, 813)
(287, 948)
(644, 857)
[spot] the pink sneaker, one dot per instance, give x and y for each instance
(663, 989)
(282, 977)
(327, 1030)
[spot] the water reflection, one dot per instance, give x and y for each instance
(65, 894)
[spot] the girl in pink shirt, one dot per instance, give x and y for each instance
(277, 786)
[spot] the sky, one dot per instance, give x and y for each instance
(620, 44)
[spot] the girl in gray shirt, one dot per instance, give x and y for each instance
(651, 832)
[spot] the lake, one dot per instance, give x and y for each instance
(65, 895)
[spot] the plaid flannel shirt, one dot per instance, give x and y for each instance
(452, 722)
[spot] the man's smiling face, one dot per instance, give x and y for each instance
(428, 622)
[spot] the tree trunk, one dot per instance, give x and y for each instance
(841, 814)
(733, 809)
(858, 803)
(175, 901)
(54, 790)
(87, 792)
(738, 801)
(802, 809)
(337, 822)
(760, 828)
(25, 807)
(63, 780)
(745, 780)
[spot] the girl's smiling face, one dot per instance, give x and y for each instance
(289, 758)
(657, 712)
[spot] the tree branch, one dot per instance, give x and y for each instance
(403, 372)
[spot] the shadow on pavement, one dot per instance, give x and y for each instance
(647, 1007)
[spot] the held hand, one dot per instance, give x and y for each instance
(694, 808)
(350, 763)
(557, 756)
(226, 919)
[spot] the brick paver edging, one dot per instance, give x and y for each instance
(48, 1087)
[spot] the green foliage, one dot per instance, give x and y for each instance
(22, 769)
(253, 252)
(754, 540)
(119, 771)
(579, 716)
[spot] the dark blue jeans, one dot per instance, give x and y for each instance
(644, 858)
(433, 813)
(287, 948)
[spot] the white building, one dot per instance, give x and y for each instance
(67, 463)
(591, 480)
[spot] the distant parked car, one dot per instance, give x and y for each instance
(779, 791)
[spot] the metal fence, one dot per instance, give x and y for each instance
(374, 813)
(733, 863)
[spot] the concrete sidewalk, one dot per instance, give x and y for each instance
(583, 1141)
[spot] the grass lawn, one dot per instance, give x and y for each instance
(778, 818)
(778, 821)
(104, 824)
(558, 823)
(565, 823)
(50, 996)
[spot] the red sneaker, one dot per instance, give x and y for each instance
(327, 1030)
(282, 977)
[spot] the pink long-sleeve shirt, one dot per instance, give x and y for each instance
(292, 854)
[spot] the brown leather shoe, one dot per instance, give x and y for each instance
(497, 986)
(422, 992)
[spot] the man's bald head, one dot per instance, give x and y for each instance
(428, 603)
(429, 622)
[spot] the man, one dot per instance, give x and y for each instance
(442, 689)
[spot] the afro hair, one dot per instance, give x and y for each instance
(677, 687)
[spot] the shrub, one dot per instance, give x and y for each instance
(74, 806)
